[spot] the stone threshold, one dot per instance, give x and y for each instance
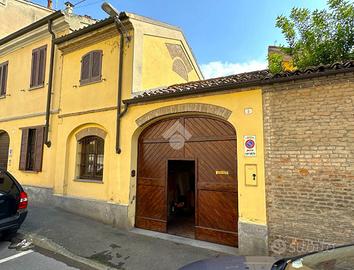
(187, 241)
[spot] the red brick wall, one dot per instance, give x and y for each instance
(309, 144)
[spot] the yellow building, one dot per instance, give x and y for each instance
(15, 14)
(90, 122)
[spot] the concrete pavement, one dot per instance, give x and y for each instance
(110, 246)
(34, 259)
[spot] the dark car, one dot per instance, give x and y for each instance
(13, 204)
(339, 258)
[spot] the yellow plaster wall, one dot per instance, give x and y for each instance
(45, 178)
(75, 97)
(67, 182)
(25, 107)
(251, 199)
(157, 63)
(20, 99)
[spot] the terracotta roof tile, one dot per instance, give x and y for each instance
(261, 76)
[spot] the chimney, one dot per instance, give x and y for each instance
(50, 4)
(68, 7)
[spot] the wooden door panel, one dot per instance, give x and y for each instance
(149, 202)
(216, 236)
(217, 161)
(160, 130)
(217, 217)
(204, 127)
(213, 145)
(217, 210)
(152, 208)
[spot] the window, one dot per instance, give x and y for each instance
(91, 158)
(3, 78)
(91, 67)
(32, 149)
(39, 56)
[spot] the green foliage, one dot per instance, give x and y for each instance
(320, 37)
(275, 63)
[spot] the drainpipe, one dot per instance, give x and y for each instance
(47, 142)
(120, 113)
(120, 84)
(113, 13)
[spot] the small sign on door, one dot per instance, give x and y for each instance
(250, 146)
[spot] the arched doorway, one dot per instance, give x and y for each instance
(197, 155)
(4, 148)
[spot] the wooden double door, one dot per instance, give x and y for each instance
(211, 143)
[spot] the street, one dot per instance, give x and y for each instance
(34, 258)
(104, 244)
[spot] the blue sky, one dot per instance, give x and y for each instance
(227, 36)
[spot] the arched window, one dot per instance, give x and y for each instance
(91, 152)
(91, 67)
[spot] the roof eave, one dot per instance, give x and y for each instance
(31, 27)
(231, 86)
(84, 31)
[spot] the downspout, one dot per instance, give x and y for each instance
(47, 142)
(120, 85)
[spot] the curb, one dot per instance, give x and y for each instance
(47, 244)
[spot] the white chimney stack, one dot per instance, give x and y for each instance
(68, 7)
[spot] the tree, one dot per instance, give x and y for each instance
(320, 37)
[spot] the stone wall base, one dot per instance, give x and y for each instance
(109, 213)
(253, 239)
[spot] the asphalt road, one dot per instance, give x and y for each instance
(33, 259)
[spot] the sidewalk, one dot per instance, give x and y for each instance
(107, 245)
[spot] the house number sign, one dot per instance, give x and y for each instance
(222, 172)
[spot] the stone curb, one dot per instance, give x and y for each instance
(47, 244)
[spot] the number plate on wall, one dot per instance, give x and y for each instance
(221, 172)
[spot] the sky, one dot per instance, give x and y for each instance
(226, 36)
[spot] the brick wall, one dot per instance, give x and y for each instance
(309, 144)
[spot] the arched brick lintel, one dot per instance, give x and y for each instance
(185, 108)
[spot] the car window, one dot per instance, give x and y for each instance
(333, 259)
(7, 185)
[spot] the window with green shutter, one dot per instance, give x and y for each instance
(3, 78)
(91, 67)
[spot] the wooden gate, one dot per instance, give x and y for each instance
(212, 143)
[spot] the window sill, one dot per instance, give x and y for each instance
(26, 171)
(36, 87)
(95, 181)
(89, 83)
